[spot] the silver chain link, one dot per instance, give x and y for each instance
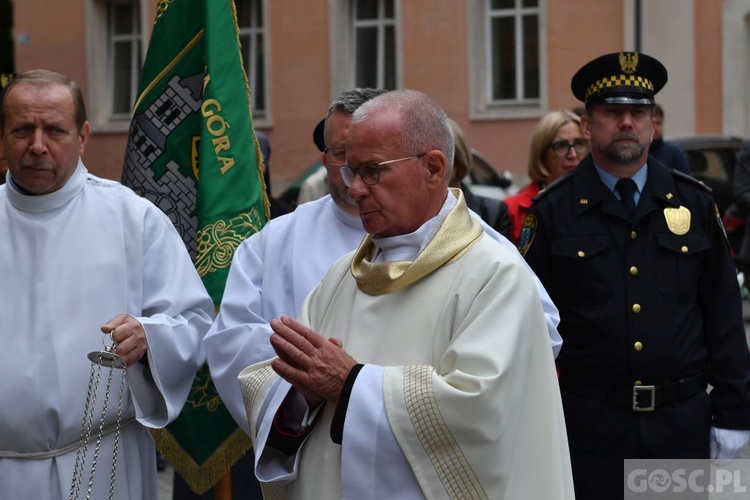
(111, 361)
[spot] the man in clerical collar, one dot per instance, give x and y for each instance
(420, 365)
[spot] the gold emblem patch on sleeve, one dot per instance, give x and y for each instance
(528, 231)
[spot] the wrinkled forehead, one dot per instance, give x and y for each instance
(38, 97)
(380, 130)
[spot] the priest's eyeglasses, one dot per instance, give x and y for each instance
(369, 172)
(562, 148)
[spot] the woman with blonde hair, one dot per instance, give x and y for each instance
(557, 146)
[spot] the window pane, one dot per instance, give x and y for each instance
(531, 57)
(503, 59)
(530, 3)
(243, 13)
(258, 12)
(389, 14)
(124, 57)
(366, 57)
(139, 64)
(121, 75)
(258, 91)
(367, 9)
(245, 44)
(123, 19)
(252, 35)
(389, 80)
(503, 4)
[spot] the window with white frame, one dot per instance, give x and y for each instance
(506, 58)
(250, 21)
(124, 55)
(373, 43)
(514, 51)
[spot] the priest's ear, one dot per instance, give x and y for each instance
(437, 168)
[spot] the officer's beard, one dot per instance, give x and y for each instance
(624, 152)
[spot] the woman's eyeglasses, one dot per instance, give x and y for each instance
(561, 148)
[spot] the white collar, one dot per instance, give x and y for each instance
(50, 201)
(406, 247)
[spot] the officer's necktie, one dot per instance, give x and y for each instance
(626, 188)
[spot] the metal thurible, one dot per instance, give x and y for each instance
(115, 364)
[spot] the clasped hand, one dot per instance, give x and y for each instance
(316, 367)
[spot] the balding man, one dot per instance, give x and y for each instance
(420, 366)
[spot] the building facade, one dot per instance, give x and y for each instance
(495, 66)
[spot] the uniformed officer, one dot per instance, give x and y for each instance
(634, 256)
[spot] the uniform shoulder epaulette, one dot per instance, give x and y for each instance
(559, 182)
(689, 178)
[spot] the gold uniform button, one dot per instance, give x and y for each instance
(581, 253)
(684, 249)
(637, 382)
(638, 346)
(633, 235)
(636, 308)
(633, 270)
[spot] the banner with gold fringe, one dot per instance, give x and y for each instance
(192, 151)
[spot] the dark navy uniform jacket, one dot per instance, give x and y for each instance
(651, 300)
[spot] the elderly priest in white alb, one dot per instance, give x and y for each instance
(420, 366)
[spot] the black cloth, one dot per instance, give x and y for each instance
(741, 205)
(601, 436)
(493, 212)
(640, 303)
(670, 155)
(279, 207)
(627, 188)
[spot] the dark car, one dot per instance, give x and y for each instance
(485, 180)
(712, 159)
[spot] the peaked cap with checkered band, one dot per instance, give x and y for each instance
(619, 78)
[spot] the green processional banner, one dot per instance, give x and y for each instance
(192, 151)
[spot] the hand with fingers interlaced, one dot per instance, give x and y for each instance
(127, 333)
(315, 366)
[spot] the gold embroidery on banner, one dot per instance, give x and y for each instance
(161, 8)
(218, 241)
(203, 393)
(204, 476)
(450, 464)
(678, 220)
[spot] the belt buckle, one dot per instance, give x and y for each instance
(639, 389)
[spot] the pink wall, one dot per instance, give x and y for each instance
(300, 86)
(708, 67)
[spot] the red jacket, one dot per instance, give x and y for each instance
(518, 205)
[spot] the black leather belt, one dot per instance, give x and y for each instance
(633, 397)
